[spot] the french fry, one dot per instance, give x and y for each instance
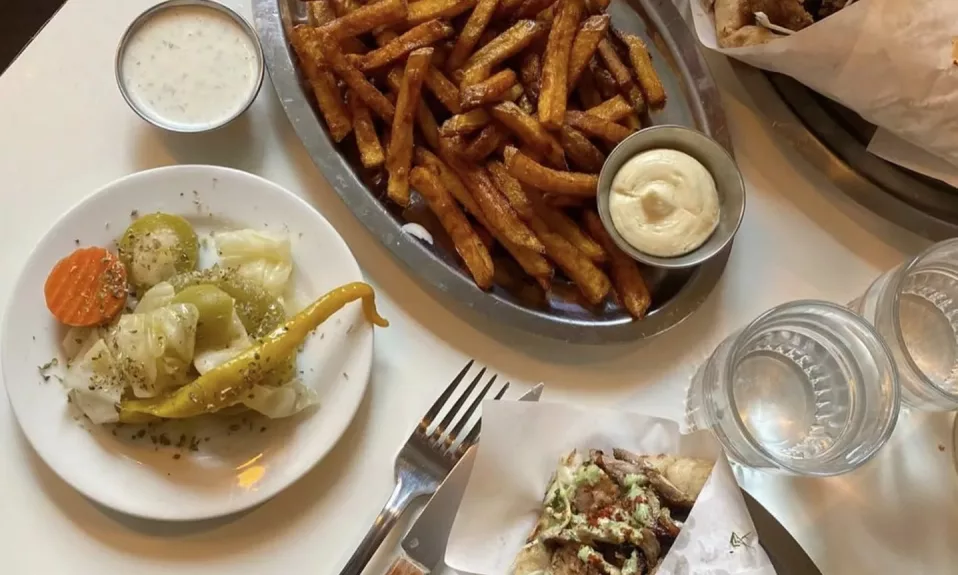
(451, 180)
(529, 260)
(465, 123)
(604, 82)
(501, 48)
(343, 7)
(428, 126)
(500, 215)
(443, 89)
(384, 36)
(328, 97)
(513, 93)
(491, 89)
(485, 236)
(531, 8)
(530, 70)
(591, 281)
(534, 174)
(554, 83)
(566, 227)
(355, 79)
(592, 30)
(469, 37)
(613, 109)
(632, 122)
(423, 10)
(628, 280)
(645, 72)
(586, 90)
(420, 36)
(507, 8)
(583, 153)
(597, 127)
(321, 12)
(622, 75)
(366, 19)
(487, 142)
(370, 150)
(399, 154)
(528, 129)
(425, 119)
(468, 244)
(511, 188)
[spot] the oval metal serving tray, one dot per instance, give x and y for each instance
(930, 207)
(693, 101)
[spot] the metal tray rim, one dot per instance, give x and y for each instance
(268, 16)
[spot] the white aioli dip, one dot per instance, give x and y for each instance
(664, 203)
(193, 67)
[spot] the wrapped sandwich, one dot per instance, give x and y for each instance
(892, 62)
(615, 514)
(749, 22)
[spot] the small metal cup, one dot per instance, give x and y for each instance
(153, 11)
(719, 163)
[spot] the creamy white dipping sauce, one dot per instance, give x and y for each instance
(664, 203)
(192, 67)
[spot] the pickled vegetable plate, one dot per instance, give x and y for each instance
(209, 465)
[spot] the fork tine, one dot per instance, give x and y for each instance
(454, 410)
(473, 434)
(451, 438)
(434, 410)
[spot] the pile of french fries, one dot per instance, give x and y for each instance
(499, 113)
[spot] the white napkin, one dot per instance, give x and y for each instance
(889, 60)
(520, 449)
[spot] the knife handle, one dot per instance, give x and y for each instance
(403, 566)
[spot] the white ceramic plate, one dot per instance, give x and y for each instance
(193, 469)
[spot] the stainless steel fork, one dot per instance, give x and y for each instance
(428, 456)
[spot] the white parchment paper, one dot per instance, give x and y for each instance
(520, 449)
(890, 147)
(889, 60)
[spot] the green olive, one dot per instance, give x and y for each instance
(216, 314)
(156, 247)
(259, 311)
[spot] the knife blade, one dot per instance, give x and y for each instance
(425, 543)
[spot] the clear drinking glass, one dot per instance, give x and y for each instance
(914, 307)
(807, 388)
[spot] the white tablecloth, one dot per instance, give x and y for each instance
(65, 131)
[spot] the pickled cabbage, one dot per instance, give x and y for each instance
(261, 258)
(156, 297)
(154, 350)
(93, 384)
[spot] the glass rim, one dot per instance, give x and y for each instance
(887, 427)
(895, 287)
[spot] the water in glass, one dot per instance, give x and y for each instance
(807, 388)
(915, 309)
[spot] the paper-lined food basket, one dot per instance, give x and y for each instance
(891, 61)
(520, 448)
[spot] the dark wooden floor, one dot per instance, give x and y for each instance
(19, 21)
